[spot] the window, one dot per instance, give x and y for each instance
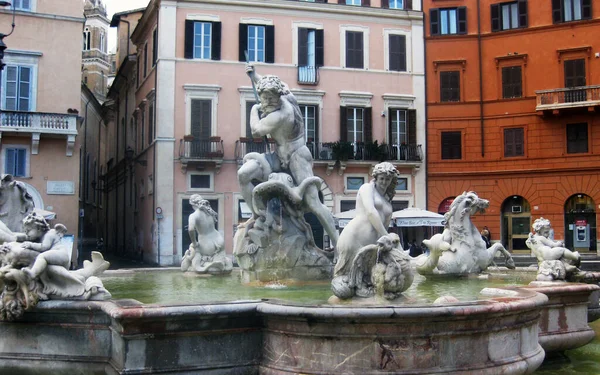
(310, 54)
(511, 82)
(354, 50)
(102, 42)
(15, 161)
(402, 131)
(258, 41)
(154, 46)
(200, 181)
(398, 131)
(397, 4)
(354, 182)
(150, 123)
(86, 39)
(448, 21)
(513, 142)
(575, 76)
(402, 184)
(451, 145)
(571, 10)
(450, 86)
(309, 112)
(356, 124)
(145, 60)
(142, 126)
(397, 56)
(202, 40)
(138, 71)
(18, 91)
(353, 2)
(577, 138)
(506, 16)
(201, 125)
(22, 4)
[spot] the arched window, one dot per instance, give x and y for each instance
(445, 205)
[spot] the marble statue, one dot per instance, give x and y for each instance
(460, 249)
(35, 267)
(206, 253)
(381, 269)
(15, 204)
(372, 218)
(279, 188)
(555, 262)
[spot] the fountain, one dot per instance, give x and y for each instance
(223, 324)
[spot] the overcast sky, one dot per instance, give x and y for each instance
(116, 6)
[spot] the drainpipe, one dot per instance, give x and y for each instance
(426, 107)
(154, 132)
(85, 186)
(480, 80)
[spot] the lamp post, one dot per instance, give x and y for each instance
(3, 45)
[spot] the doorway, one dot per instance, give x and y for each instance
(580, 209)
(516, 224)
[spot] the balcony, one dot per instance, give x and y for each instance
(37, 123)
(308, 75)
(568, 98)
(201, 152)
(244, 146)
(369, 152)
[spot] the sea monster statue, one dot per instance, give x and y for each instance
(34, 267)
(460, 250)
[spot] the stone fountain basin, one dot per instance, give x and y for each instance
(501, 332)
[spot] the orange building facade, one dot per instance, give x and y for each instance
(513, 97)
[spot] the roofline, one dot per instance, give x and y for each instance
(114, 22)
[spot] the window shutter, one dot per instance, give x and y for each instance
(154, 46)
(408, 4)
(390, 127)
(368, 123)
(189, 39)
(302, 47)
(434, 21)
(366, 3)
(402, 53)
(412, 127)
(243, 42)
(508, 142)
(317, 125)
(586, 9)
(270, 44)
(557, 11)
(25, 88)
(342, 2)
(319, 48)
(579, 66)
(343, 124)
(216, 41)
(20, 163)
(349, 49)
(495, 11)
(462, 20)
(519, 142)
(9, 163)
(196, 118)
(385, 4)
(523, 13)
(358, 50)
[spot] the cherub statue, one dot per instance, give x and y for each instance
(555, 261)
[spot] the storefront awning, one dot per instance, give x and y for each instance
(416, 217)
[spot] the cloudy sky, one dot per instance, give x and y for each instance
(116, 6)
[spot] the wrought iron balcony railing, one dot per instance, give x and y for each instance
(244, 146)
(364, 151)
(38, 122)
(201, 149)
(571, 97)
(308, 75)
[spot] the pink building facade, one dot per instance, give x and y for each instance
(356, 70)
(40, 102)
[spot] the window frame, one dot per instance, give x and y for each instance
(435, 21)
(201, 92)
(202, 36)
(497, 15)
(32, 6)
(507, 87)
(449, 90)
(26, 148)
(210, 188)
(364, 176)
(21, 59)
(583, 125)
(442, 153)
(190, 37)
(365, 44)
(559, 14)
(388, 33)
(512, 148)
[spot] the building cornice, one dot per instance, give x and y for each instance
(45, 15)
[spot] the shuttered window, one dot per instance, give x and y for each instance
(450, 86)
(18, 88)
(354, 50)
(311, 130)
(511, 82)
(397, 55)
(22, 4)
(510, 15)
(202, 40)
(397, 4)
(310, 47)
(571, 10)
(258, 41)
(154, 46)
(150, 123)
(577, 138)
(575, 77)
(513, 142)
(201, 119)
(448, 21)
(451, 145)
(15, 162)
(355, 124)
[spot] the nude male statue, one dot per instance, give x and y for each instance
(282, 119)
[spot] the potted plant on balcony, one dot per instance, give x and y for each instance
(376, 151)
(188, 138)
(342, 151)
